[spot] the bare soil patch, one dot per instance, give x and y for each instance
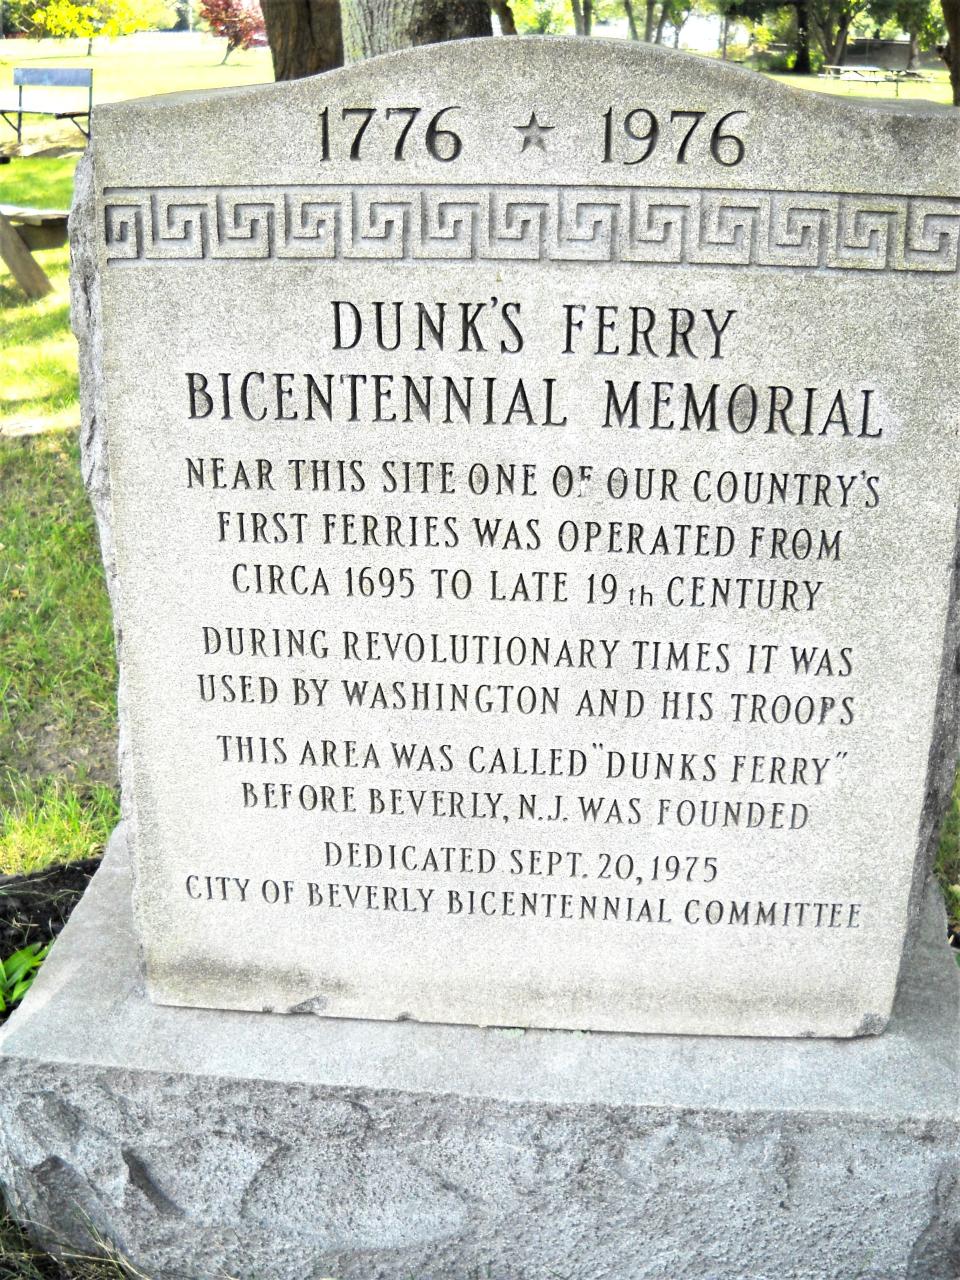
(35, 908)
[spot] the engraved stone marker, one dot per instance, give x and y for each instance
(533, 479)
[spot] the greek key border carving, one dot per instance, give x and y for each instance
(638, 226)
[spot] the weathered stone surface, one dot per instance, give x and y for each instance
(206, 1143)
(811, 245)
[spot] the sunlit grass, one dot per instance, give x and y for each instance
(936, 89)
(45, 181)
(53, 821)
(38, 358)
(57, 671)
(38, 355)
(140, 66)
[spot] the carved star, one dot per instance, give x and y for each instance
(533, 133)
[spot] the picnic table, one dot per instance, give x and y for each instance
(13, 109)
(21, 231)
(871, 75)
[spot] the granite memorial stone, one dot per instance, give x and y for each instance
(534, 498)
(527, 478)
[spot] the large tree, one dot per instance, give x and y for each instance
(754, 10)
(307, 36)
(951, 50)
(582, 16)
(922, 21)
(379, 26)
(831, 20)
(304, 35)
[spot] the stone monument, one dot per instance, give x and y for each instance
(527, 475)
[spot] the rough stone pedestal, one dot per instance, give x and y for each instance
(214, 1144)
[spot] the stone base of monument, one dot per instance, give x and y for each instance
(216, 1144)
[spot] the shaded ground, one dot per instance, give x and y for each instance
(21, 1260)
(35, 908)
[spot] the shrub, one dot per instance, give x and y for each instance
(238, 22)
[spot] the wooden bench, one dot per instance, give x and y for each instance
(21, 231)
(12, 111)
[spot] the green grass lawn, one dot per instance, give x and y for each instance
(38, 356)
(57, 672)
(139, 66)
(57, 719)
(937, 89)
(45, 181)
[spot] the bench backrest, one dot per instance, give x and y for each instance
(54, 76)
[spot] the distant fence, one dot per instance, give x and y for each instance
(876, 53)
(887, 53)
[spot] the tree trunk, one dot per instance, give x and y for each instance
(661, 23)
(801, 64)
(304, 36)
(951, 50)
(508, 25)
(588, 17)
(823, 37)
(840, 42)
(912, 51)
(648, 22)
(577, 17)
(380, 26)
(230, 49)
(724, 36)
(631, 19)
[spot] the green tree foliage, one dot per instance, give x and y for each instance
(922, 20)
(109, 18)
(676, 14)
(831, 23)
(651, 20)
(542, 17)
(15, 17)
(756, 11)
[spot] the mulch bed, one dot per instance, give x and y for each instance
(35, 908)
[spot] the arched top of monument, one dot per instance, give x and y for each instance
(526, 55)
(533, 110)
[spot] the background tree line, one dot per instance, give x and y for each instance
(309, 36)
